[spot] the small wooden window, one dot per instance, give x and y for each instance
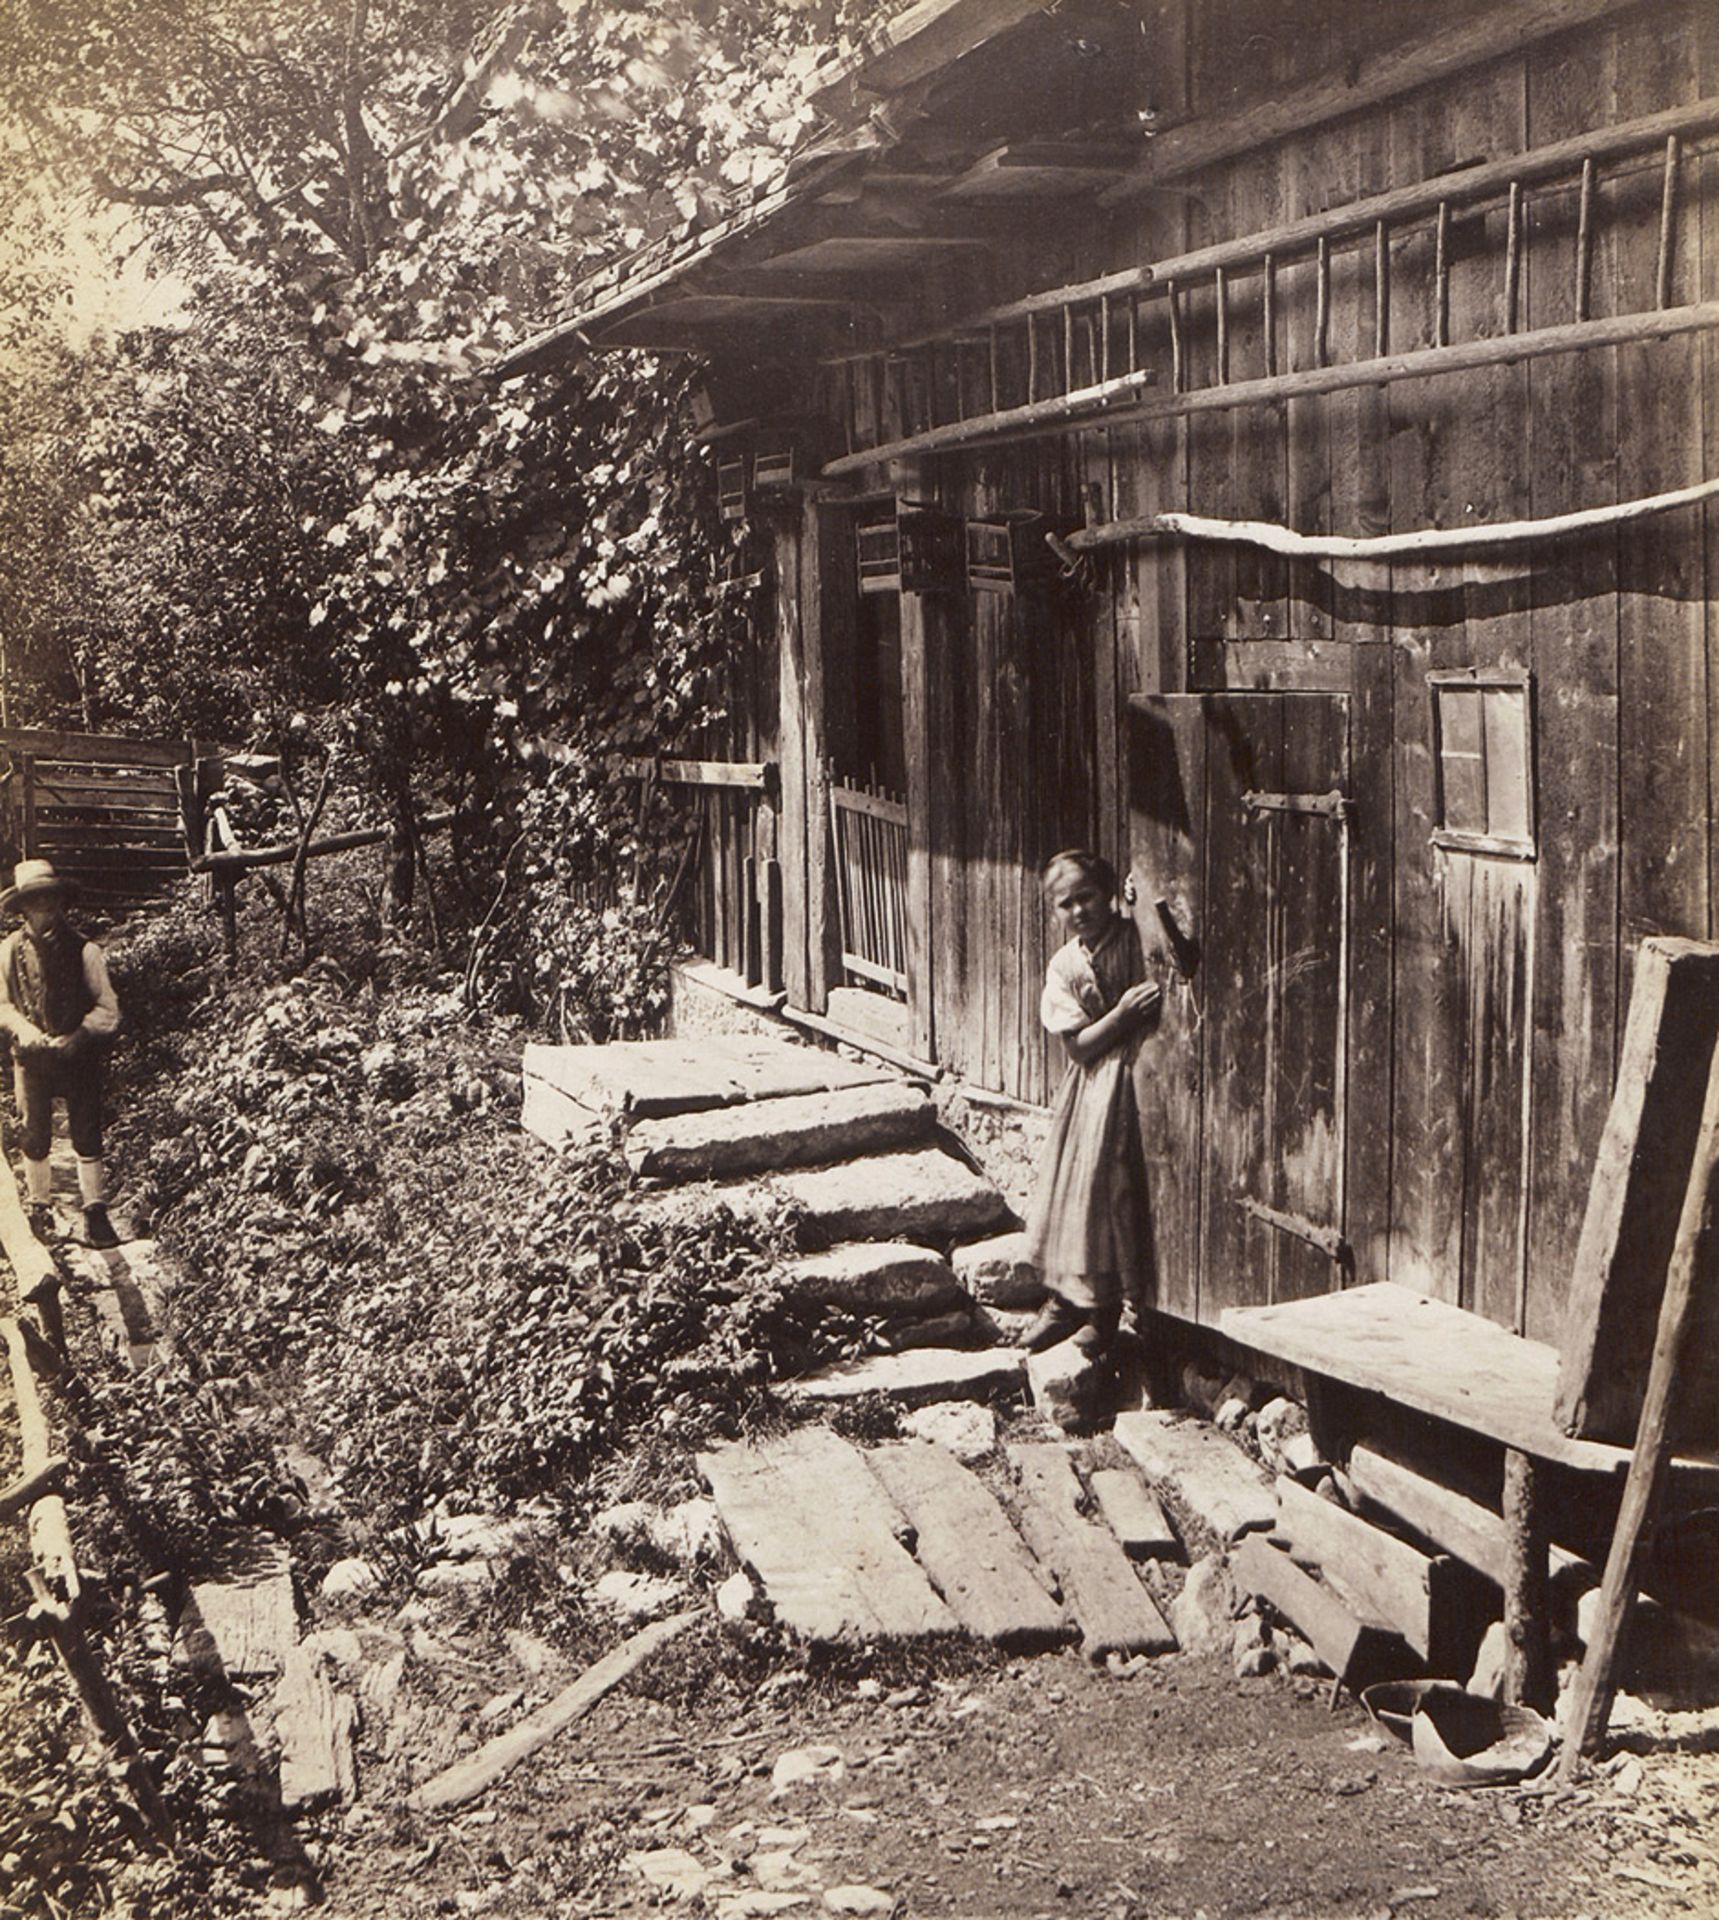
(1483, 741)
(906, 547)
(732, 493)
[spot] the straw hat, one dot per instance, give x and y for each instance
(33, 877)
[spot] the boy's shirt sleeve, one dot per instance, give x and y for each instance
(14, 1022)
(103, 1016)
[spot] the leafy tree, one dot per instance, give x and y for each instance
(312, 494)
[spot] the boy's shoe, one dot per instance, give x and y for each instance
(41, 1218)
(98, 1228)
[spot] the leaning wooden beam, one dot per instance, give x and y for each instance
(1690, 1271)
(50, 1531)
(1084, 406)
(1386, 546)
(468, 1778)
(1364, 83)
(29, 1487)
(757, 774)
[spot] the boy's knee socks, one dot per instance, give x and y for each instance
(38, 1182)
(92, 1181)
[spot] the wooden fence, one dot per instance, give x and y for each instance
(870, 829)
(109, 813)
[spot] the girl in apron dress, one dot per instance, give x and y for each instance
(1086, 1226)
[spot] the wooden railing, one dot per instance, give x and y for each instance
(870, 831)
(109, 813)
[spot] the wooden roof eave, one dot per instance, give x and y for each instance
(585, 328)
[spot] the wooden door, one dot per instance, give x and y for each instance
(1239, 855)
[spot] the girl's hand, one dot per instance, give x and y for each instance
(1139, 1000)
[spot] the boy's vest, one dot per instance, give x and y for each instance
(45, 978)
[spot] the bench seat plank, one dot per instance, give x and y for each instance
(1434, 1357)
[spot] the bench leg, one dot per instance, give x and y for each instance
(1527, 1659)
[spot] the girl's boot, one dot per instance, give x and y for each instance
(92, 1190)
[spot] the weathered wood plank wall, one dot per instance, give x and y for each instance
(1485, 993)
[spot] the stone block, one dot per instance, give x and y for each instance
(1064, 1383)
(968, 1430)
(892, 1279)
(997, 1273)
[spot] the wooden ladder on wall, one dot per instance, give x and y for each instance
(1038, 363)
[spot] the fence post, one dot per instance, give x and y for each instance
(27, 808)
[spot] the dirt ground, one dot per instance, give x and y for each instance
(1038, 1786)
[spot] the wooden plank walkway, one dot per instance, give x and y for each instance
(966, 1544)
(903, 1540)
(813, 1523)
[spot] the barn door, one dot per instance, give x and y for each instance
(1240, 851)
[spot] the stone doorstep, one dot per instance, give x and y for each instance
(997, 1273)
(787, 1131)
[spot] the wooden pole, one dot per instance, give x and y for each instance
(1385, 546)
(1688, 1275)
(1527, 1653)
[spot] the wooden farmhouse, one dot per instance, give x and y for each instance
(1402, 769)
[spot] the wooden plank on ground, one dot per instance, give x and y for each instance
(1133, 1515)
(1357, 1650)
(468, 1778)
(244, 1624)
(1389, 1578)
(812, 1522)
(1203, 1469)
(1456, 1524)
(1634, 1200)
(1099, 1586)
(314, 1723)
(967, 1545)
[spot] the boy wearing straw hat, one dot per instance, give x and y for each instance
(57, 1004)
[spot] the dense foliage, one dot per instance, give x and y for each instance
(303, 493)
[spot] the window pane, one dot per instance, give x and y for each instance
(1462, 765)
(1506, 710)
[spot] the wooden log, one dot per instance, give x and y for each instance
(243, 859)
(1636, 1197)
(1388, 1578)
(1358, 1650)
(1691, 1275)
(32, 1264)
(1099, 1586)
(464, 1781)
(1527, 1651)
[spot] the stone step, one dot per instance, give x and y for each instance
(891, 1279)
(997, 1273)
(918, 1376)
(923, 1194)
(573, 1093)
(785, 1131)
